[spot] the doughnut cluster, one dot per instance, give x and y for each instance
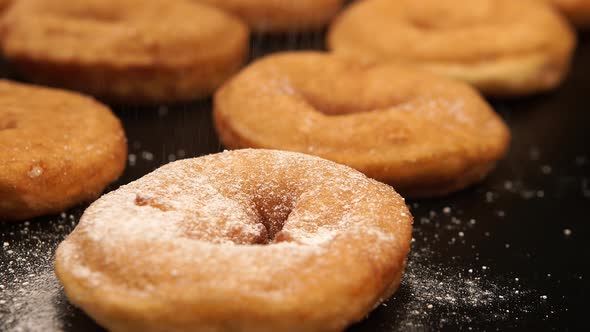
(301, 228)
(144, 51)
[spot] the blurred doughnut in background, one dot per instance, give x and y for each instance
(131, 51)
(502, 47)
(578, 11)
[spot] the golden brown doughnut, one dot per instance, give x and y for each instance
(248, 240)
(502, 47)
(577, 11)
(128, 51)
(4, 4)
(57, 149)
(424, 134)
(281, 15)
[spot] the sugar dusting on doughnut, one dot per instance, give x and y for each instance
(287, 232)
(424, 134)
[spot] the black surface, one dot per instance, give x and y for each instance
(510, 253)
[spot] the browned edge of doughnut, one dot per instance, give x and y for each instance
(232, 140)
(137, 84)
(158, 79)
(88, 186)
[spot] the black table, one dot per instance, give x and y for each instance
(510, 253)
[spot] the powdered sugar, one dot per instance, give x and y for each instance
(30, 295)
(31, 303)
(463, 295)
(205, 222)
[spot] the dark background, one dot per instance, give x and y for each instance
(510, 253)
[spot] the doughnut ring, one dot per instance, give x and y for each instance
(4, 4)
(502, 47)
(57, 149)
(577, 11)
(424, 134)
(280, 15)
(132, 51)
(247, 240)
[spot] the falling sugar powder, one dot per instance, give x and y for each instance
(146, 155)
(581, 160)
(546, 169)
(534, 153)
(508, 185)
(162, 111)
(132, 159)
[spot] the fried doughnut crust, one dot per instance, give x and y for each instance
(424, 134)
(502, 47)
(247, 240)
(57, 149)
(131, 51)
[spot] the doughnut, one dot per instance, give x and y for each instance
(4, 4)
(577, 11)
(502, 47)
(424, 134)
(57, 149)
(245, 240)
(279, 16)
(131, 51)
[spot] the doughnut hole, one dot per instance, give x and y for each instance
(273, 213)
(254, 218)
(428, 17)
(345, 98)
(343, 105)
(8, 123)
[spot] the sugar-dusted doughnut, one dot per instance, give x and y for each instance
(247, 240)
(503, 47)
(281, 15)
(422, 133)
(127, 51)
(57, 149)
(578, 11)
